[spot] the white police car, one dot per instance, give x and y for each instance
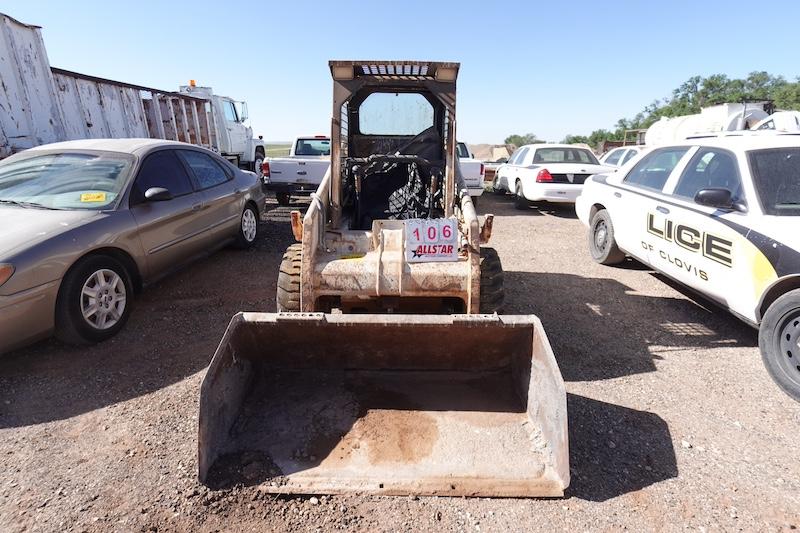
(722, 216)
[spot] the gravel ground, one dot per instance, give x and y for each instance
(674, 422)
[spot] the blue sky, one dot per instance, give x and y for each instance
(550, 68)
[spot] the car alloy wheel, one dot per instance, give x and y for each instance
(103, 299)
(249, 225)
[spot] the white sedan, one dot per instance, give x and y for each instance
(546, 173)
(618, 157)
(718, 215)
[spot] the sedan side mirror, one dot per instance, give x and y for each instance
(157, 194)
(718, 198)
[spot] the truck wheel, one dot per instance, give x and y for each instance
(248, 228)
(520, 202)
(257, 162)
(602, 244)
(288, 297)
(779, 338)
(283, 198)
(492, 291)
(94, 301)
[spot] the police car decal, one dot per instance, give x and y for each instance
(720, 216)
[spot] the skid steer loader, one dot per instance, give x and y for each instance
(387, 369)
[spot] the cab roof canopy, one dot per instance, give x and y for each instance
(395, 70)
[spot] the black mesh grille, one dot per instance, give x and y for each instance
(577, 179)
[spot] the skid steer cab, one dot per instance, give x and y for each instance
(357, 384)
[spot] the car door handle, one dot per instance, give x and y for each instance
(661, 209)
(618, 195)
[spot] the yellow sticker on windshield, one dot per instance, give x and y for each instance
(93, 197)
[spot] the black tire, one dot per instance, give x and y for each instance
(778, 336)
(492, 290)
(496, 189)
(284, 198)
(288, 296)
(259, 158)
(602, 244)
(71, 327)
(248, 228)
(520, 202)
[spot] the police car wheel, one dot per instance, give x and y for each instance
(779, 341)
(602, 244)
(520, 202)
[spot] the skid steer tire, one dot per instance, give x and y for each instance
(288, 296)
(492, 291)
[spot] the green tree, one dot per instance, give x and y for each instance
(698, 92)
(519, 140)
(575, 139)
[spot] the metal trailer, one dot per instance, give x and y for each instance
(43, 104)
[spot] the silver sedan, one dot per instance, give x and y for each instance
(84, 224)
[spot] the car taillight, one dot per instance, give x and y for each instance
(543, 176)
(265, 168)
(483, 170)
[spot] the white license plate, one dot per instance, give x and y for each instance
(431, 240)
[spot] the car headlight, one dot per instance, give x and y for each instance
(5, 272)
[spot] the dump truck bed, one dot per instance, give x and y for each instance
(387, 404)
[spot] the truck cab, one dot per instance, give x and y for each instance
(234, 138)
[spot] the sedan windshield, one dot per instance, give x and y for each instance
(564, 155)
(64, 180)
(776, 175)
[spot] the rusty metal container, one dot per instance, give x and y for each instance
(459, 405)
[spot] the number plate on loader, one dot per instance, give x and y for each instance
(431, 240)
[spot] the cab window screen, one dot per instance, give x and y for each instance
(395, 114)
(313, 147)
(654, 169)
(776, 175)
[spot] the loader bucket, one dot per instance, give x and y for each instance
(460, 405)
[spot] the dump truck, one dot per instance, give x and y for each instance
(387, 369)
(42, 104)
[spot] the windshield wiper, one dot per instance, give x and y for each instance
(25, 204)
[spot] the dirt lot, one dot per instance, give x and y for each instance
(673, 421)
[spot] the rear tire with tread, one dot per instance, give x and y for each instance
(492, 289)
(602, 244)
(778, 337)
(284, 198)
(288, 294)
(495, 186)
(520, 202)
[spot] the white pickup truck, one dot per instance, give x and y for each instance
(301, 172)
(472, 170)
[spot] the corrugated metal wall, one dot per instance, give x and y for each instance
(40, 104)
(29, 113)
